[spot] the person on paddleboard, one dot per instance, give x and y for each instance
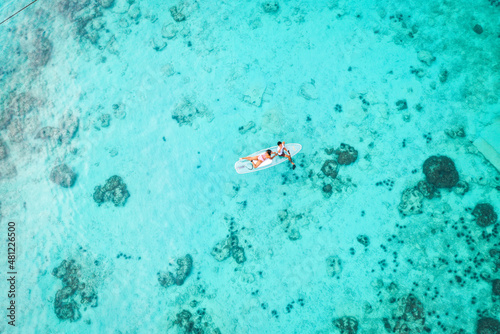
(282, 152)
(261, 158)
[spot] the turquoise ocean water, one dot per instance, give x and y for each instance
(121, 121)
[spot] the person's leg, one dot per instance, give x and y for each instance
(256, 164)
(290, 159)
(251, 158)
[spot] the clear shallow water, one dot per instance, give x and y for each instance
(229, 64)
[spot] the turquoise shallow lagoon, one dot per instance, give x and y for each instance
(121, 121)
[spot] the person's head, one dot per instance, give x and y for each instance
(269, 152)
(279, 143)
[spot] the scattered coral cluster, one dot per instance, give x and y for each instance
(440, 172)
(195, 323)
(230, 246)
(345, 155)
(186, 112)
(74, 292)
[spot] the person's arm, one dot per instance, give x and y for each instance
(275, 154)
(285, 149)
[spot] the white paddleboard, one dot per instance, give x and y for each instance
(245, 166)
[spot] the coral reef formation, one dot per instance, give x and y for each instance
(196, 324)
(440, 171)
(63, 176)
(488, 325)
(427, 189)
(186, 112)
(484, 214)
(66, 305)
(114, 190)
(184, 268)
(346, 154)
(330, 168)
(411, 202)
(229, 247)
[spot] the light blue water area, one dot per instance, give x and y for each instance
(150, 104)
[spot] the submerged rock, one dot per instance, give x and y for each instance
(176, 13)
(363, 239)
(461, 188)
(22, 104)
(69, 126)
(63, 176)
(411, 202)
(426, 57)
(495, 287)
(72, 7)
(221, 250)
(15, 130)
(7, 170)
(334, 266)
(485, 214)
(185, 265)
(3, 150)
(48, 132)
(308, 91)
(443, 75)
(327, 190)
(42, 49)
(495, 256)
(106, 3)
(104, 120)
(346, 154)
(238, 254)
(440, 171)
(410, 315)
(455, 132)
(478, 29)
(294, 234)
(270, 6)
(250, 126)
(330, 168)
(347, 325)
(5, 118)
(169, 31)
(401, 105)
